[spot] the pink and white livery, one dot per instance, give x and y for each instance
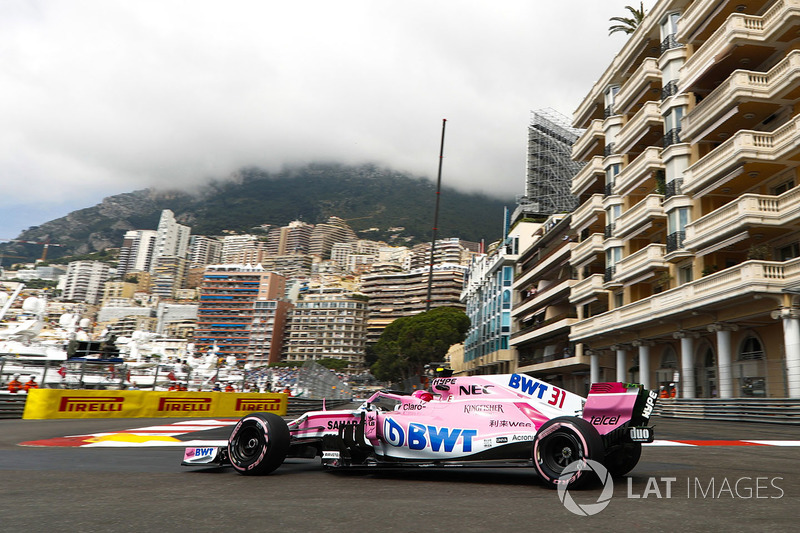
(500, 420)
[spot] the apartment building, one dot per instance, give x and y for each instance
(689, 250)
(330, 323)
(84, 281)
(136, 253)
(172, 239)
(204, 251)
(488, 299)
(394, 293)
(242, 312)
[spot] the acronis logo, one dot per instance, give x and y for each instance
(421, 436)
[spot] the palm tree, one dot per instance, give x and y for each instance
(628, 25)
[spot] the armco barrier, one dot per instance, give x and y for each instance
(298, 406)
(12, 405)
(775, 410)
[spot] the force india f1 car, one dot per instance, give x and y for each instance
(500, 420)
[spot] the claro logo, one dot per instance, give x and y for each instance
(184, 404)
(90, 404)
(258, 404)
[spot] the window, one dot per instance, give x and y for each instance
(783, 187)
(789, 252)
(619, 299)
(685, 274)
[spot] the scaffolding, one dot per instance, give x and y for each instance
(550, 166)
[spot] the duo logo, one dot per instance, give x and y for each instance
(420, 436)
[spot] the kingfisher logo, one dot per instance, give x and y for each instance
(258, 404)
(184, 404)
(91, 404)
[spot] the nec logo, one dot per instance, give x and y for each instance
(258, 404)
(474, 389)
(91, 404)
(184, 404)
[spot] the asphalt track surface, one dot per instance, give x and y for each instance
(718, 487)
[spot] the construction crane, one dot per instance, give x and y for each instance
(46, 244)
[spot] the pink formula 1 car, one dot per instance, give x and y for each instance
(502, 420)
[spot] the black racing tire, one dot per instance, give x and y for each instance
(622, 459)
(562, 441)
(258, 444)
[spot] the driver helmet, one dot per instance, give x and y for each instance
(423, 395)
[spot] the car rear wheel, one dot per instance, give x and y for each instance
(559, 443)
(621, 460)
(258, 443)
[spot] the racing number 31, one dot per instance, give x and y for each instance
(558, 397)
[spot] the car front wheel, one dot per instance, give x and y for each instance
(258, 443)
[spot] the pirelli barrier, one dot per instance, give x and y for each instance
(60, 403)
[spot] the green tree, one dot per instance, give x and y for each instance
(409, 343)
(628, 25)
(335, 364)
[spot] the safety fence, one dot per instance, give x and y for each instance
(775, 410)
(317, 382)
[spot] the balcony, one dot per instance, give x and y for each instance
(590, 143)
(642, 130)
(717, 290)
(637, 90)
(559, 289)
(643, 262)
(587, 289)
(640, 171)
(741, 36)
(638, 216)
(702, 16)
(546, 329)
(767, 149)
(554, 258)
(755, 95)
(749, 211)
(588, 212)
(587, 250)
(590, 177)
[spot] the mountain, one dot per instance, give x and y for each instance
(366, 196)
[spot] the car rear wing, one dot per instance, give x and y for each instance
(610, 406)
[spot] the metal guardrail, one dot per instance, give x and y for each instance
(298, 406)
(770, 410)
(12, 405)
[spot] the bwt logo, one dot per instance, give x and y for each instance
(527, 385)
(90, 404)
(184, 404)
(421, 436)
(258, 404)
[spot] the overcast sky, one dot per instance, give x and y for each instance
(100, 97)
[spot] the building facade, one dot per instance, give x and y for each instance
(327, 324)
(84, 281)
(394, 294)
(689, 244)
(242, 313)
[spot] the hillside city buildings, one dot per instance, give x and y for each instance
(656, 241)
